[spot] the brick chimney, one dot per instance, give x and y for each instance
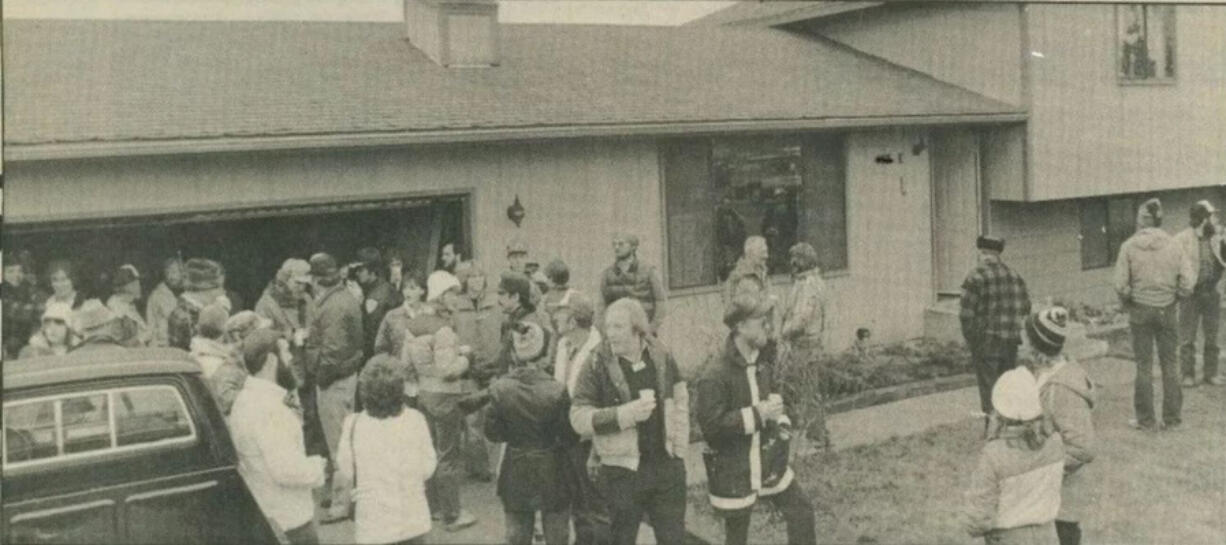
(454, 33)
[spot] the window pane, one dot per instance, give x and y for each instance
(149, 415)
(758, 182)
(1094, 245)
(690, 209)
(823, 216)
(1121, 224)
(87, 424)
(1146, 41)
(29, 431)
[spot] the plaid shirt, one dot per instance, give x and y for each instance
(994, 303)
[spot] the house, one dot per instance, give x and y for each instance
(251, 142)
(1122, 103)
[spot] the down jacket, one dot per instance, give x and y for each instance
(1013, 486)
(1068, 400)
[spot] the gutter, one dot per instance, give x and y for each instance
(131, 148)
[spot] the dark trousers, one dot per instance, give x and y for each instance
(797, 515)
(991, 358)
(587, 508)
(1069, 533)
(1203, 311)
(446, 422)
(657, 489)
(1150, 326)
(303, 535)
(521, 524)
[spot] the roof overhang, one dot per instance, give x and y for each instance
(86, 150)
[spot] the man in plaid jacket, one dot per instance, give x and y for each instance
(995, 302)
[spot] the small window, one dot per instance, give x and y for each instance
(1105, 225)
(74, 425)
(1145, 42)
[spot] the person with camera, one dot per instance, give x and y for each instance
(747, 429)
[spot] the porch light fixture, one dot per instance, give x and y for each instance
(516, 211)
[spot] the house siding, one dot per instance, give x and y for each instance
(1089, 135)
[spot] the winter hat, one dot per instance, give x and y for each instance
(1200, 211)
(58, 311)
(295, 270)
(1150, 213)
(324, 266)
(530, 342)
(371, 259)
(1016, 395)
(93, 315)
(126, 274)
(244, 323)
(211, 323)
(439, 282)
(201, 274)
(993, 244)
(516, 284)
(1046, 330)
(744, 307)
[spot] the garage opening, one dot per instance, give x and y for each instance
(250, 243)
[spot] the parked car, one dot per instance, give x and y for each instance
(120, 446)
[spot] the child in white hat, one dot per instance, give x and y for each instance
(1014, 493)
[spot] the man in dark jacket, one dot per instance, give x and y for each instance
(380, 297)
(747, 428)
(995, 302)
(515, 300)
(334, 356)
(22, 308)
(628, 277)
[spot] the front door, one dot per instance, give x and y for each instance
(957, 203)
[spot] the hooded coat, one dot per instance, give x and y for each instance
(1152, 269)
(1068, 398)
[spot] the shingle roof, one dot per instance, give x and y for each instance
(777, 13)
(121, 81)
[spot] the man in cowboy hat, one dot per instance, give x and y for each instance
(1202, 244)
(995, 302)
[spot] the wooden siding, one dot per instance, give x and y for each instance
(976, 46)
(1090, 135)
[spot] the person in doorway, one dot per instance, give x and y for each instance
(752, 263)
(632, 400)
(1014, 492)
(1067, 396)
(994, 304)
(1202, 244)
(528, 411)
(127, 291)
(628, 277)
(201, 287)
(395, 269)
(22, 307)
(742, 414)
(803, 330)
(433, 349)
(267, 431)
(62, 277)
(218, 360)
(54, 338)
(99, 327)
(379, 295)
(386, 456)
(450, 255)
(163, 301)
(334, 356)
(1152, 273)
(479, 325)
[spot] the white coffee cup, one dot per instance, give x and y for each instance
(647, 393)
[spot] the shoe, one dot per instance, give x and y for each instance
(1216, 381)
(1146, 427)
(461, 522)
(1189, 383)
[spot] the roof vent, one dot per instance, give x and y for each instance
(454, 33)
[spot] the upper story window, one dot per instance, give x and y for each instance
(89, 423)
(719, 191)
(1145, 40)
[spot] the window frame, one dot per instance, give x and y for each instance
(62, 458)
(1117, 47)
(773, 279)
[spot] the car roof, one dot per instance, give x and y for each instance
(96, 364)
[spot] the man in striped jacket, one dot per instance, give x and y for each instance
(740, 419)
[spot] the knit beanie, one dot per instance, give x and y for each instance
(439, 282)
(1046, 330)
(1150, 214)
(1016, 395)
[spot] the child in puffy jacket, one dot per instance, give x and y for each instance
(1014, 494)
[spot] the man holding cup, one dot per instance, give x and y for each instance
(747, 430)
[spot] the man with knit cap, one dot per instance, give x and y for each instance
(202, 286)
(628, 277)
(995, 301)
(1152, 274)
(334, 354)
(1202, 244)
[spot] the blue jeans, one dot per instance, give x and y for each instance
(1201, 311)
(1150, 326)
(446, 422)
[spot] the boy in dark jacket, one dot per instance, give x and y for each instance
(740, 416)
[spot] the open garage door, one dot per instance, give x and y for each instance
(252, 242)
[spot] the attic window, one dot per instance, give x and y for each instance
(1145, 43)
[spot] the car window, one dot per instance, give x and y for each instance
(86, 423)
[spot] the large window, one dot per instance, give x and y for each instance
(1145, 40)
(720, 191)
(1105, 225)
